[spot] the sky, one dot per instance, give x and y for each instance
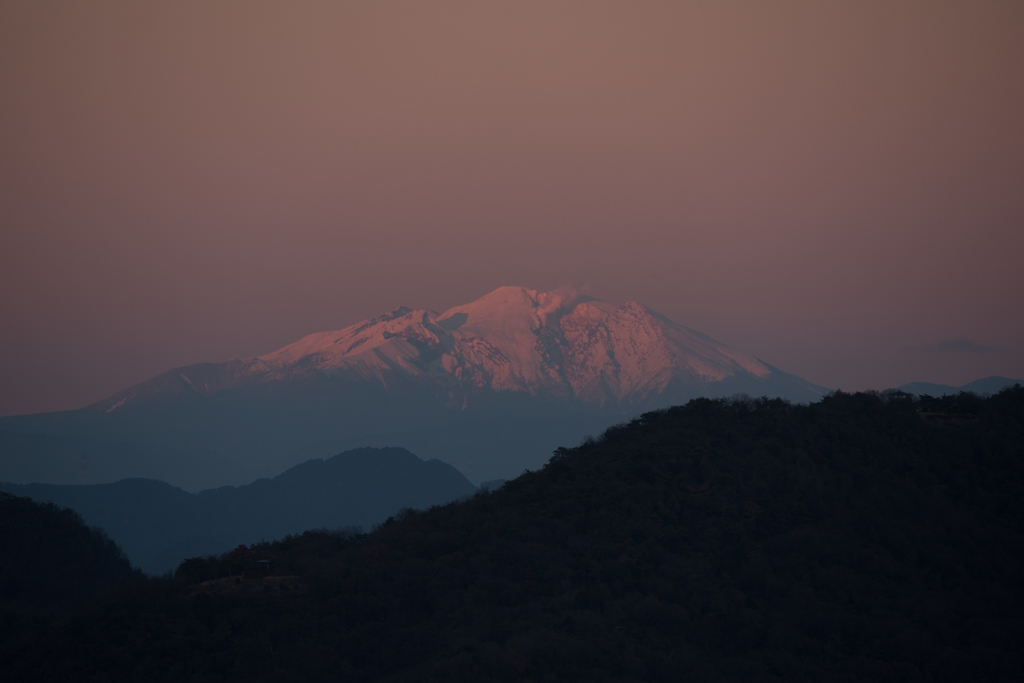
(836, 188)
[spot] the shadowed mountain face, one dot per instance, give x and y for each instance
(490, 387)
(159, 525)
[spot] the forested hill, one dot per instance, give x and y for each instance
(52, 562)
(858, 538)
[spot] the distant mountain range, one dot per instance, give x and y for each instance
(491, 387)
(158, 525)
(985, 386)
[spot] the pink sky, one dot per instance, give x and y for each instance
(836, 188)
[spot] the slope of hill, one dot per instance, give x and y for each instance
(53, 562)
(159, 525)
(984, 386)
(557, 365)
(56, 459)
(929, 389)
(848, 540)
(990, 385)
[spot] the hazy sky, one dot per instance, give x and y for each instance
(837, 188)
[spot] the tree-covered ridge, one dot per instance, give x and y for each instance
(847, 540)
(51, 561)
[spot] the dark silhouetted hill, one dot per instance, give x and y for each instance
(51, 561)
(848, 540)
(159, 525)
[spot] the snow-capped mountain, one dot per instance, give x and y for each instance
(558, 345)
(490, 387)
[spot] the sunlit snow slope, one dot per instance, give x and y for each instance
(558, 345)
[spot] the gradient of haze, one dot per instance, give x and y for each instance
(837, 188)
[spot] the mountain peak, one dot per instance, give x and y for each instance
(561, 344)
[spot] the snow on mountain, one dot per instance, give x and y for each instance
(559, 345)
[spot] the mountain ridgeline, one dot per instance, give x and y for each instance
(862, 537)
(158, 525)
(488, 387)
(983, 387)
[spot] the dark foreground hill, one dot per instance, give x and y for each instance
(51, 561)
(159, 525)
(849, 540)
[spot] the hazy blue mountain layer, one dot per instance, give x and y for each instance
(159, 525)
(249, 437)
(986, 385)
